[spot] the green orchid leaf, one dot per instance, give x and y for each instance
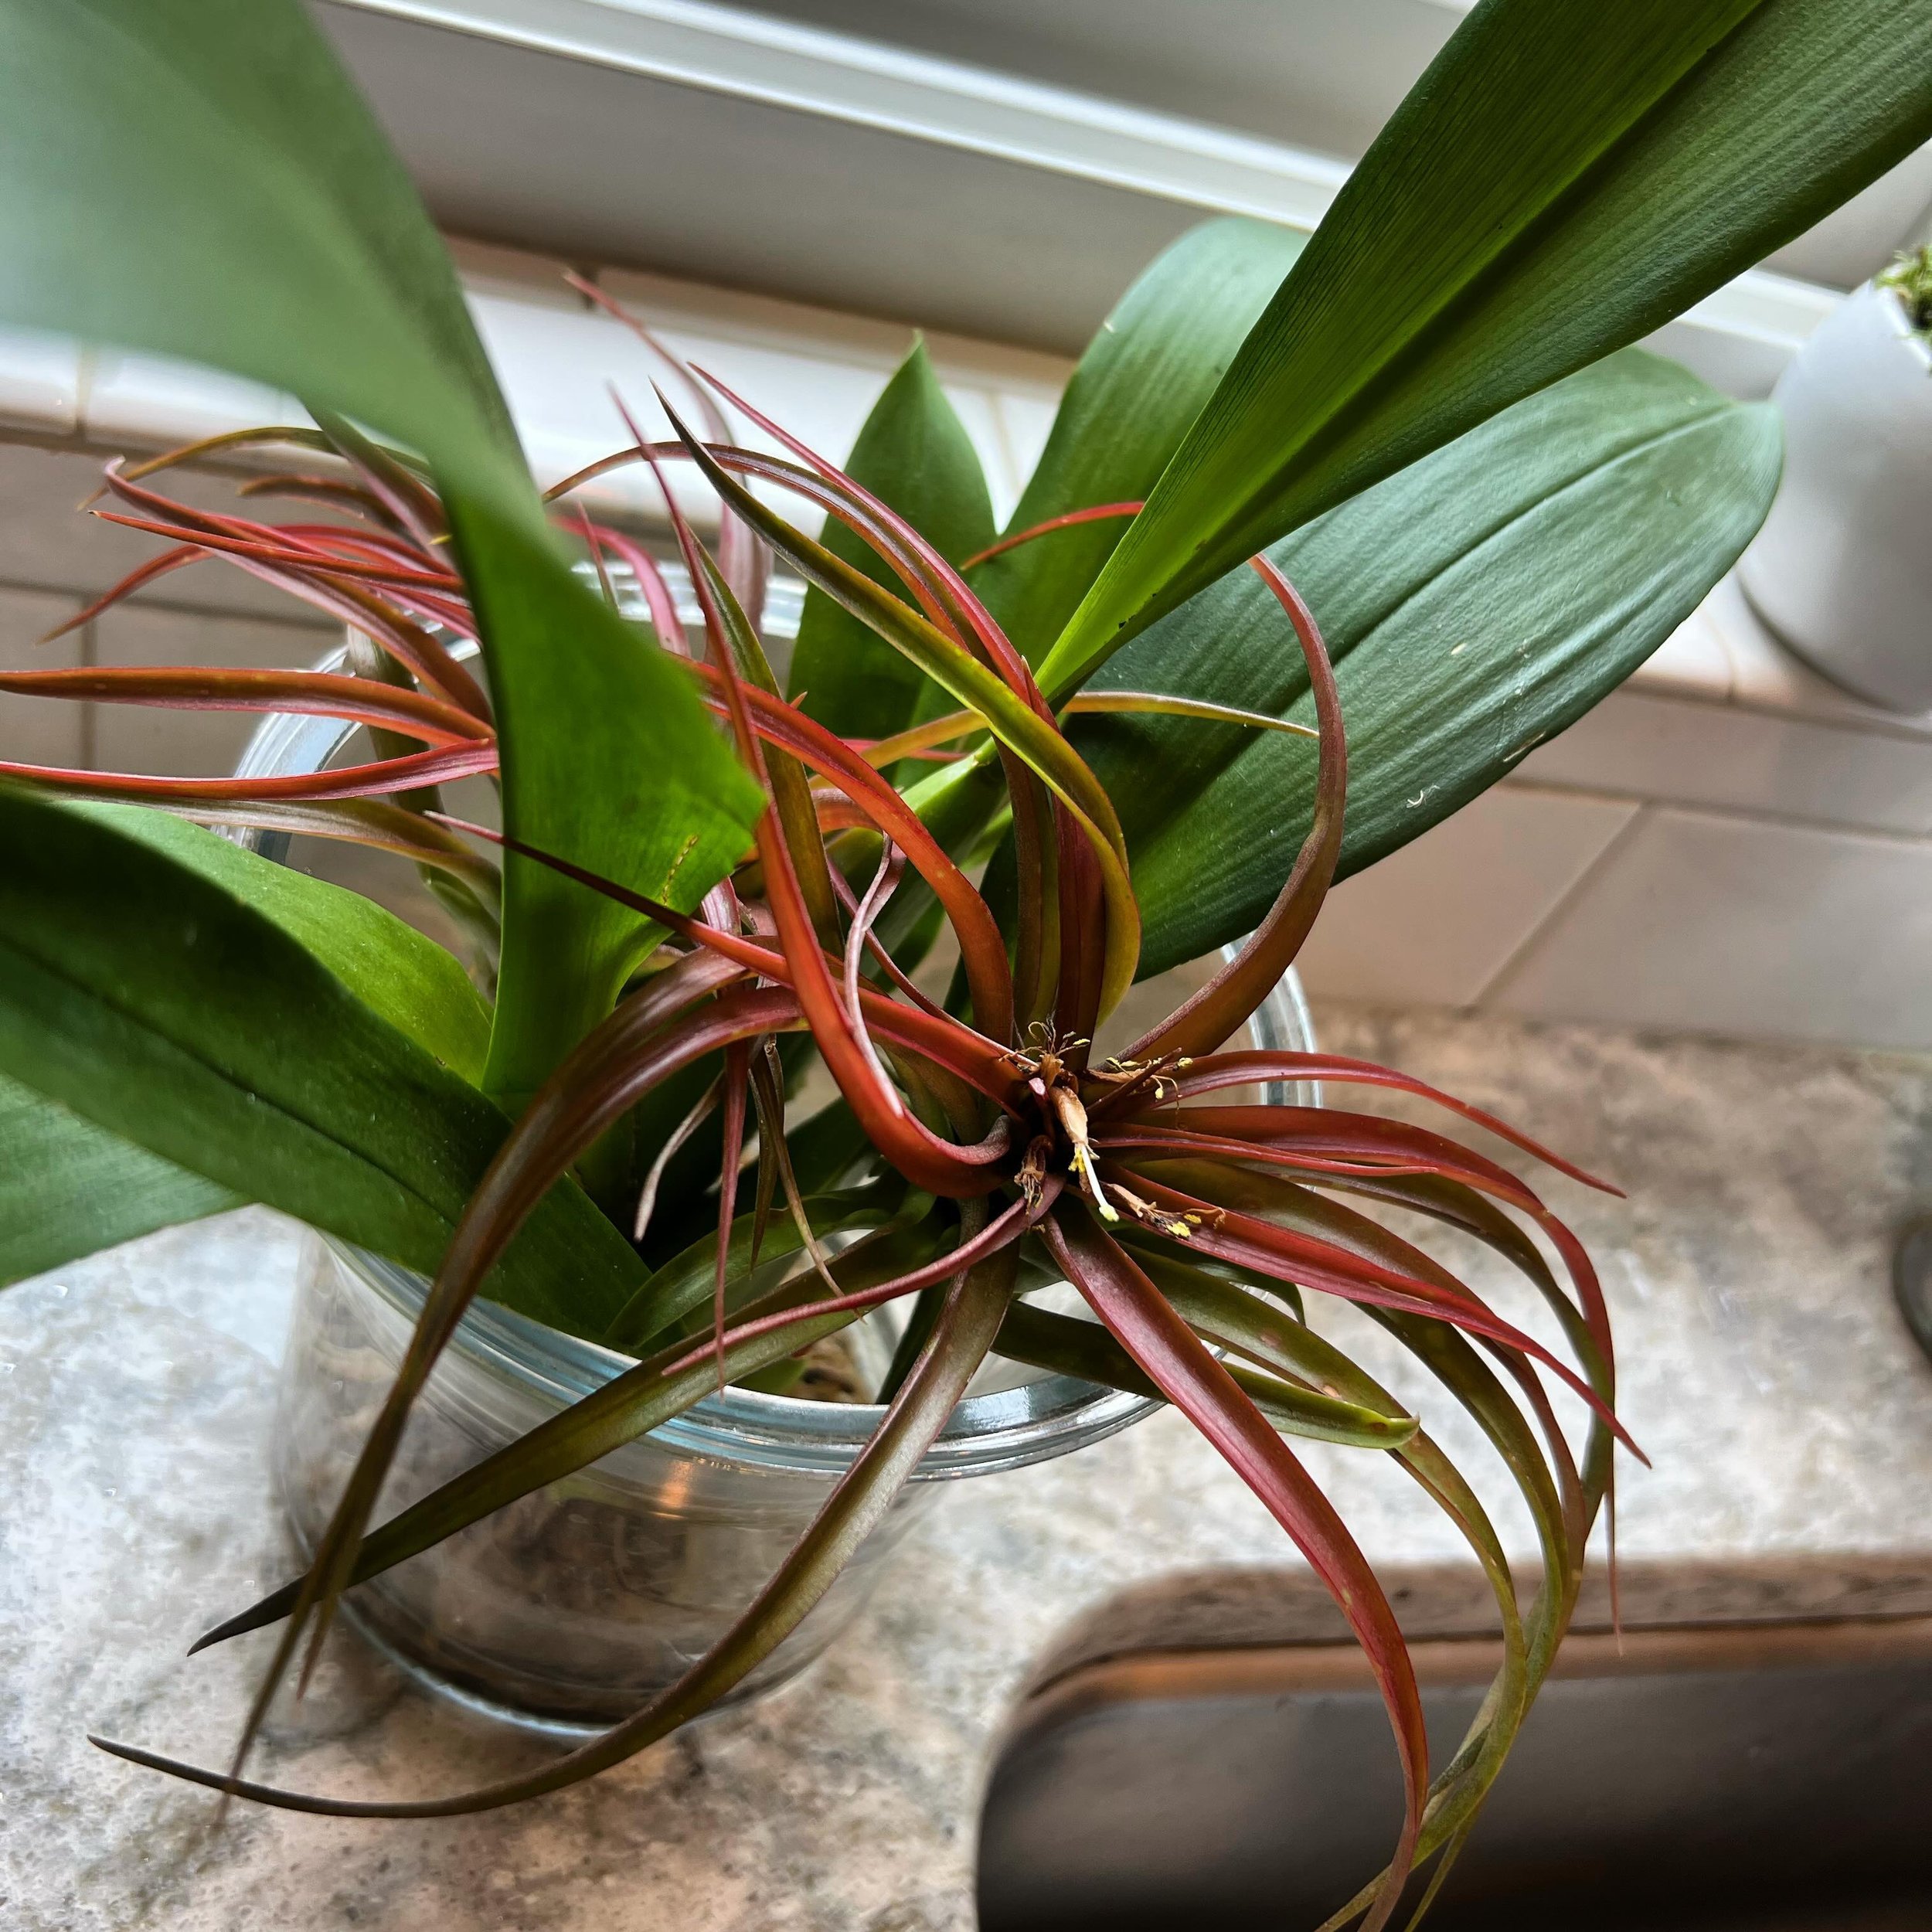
(1141, 383)
(610, 760)
(1560, 182)
(148, 998)
(68, 1188)
(394, 970)
(914, 455)
(199, 179)
(1474, 605)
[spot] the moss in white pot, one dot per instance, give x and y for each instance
(1909, 278)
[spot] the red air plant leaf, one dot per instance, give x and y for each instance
(990, 1148)
(411, 772)
(1188, 1374)
(1068, 520)
(359, 700)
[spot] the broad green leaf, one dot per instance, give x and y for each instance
(150, 999)
(1142, 381)
(914, 455)
(68, 1188)
(1560, 182)
(1475, 605)
(609, 760)
(398, 973)
(198, 178)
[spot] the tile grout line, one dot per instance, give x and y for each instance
(1900, 727)
(142, 601)
(1730, 814)
(1565, 900)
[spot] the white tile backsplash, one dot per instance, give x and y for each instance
(1434, 923)
(186, 743)
(47, 543)
(1778, 764)
(39, 731)
(1701, 924)
(556, 367)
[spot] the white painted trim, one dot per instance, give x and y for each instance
(1737, 336)
(839, 77)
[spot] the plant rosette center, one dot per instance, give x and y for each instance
(1064, 1090)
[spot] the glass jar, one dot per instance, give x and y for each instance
(565, 1610)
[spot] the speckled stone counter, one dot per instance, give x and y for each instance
(1766, 1371)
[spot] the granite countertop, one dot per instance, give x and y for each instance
(1765, 1370)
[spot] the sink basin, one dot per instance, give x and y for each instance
(1755, 1753)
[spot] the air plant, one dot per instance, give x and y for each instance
(1011, 1156)
(702, 883)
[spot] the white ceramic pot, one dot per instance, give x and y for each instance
(1842, 569)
